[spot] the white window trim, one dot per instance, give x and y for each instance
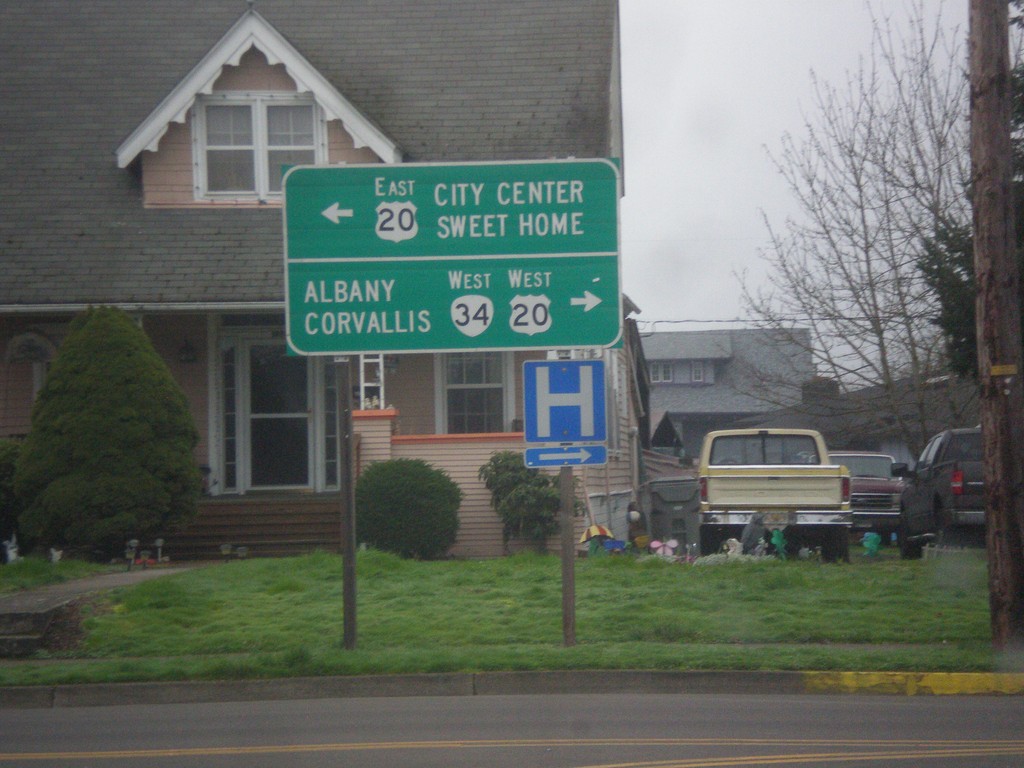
(260, 100)
(239, 340)
(658, 372)
(697, 372)
(508, 384)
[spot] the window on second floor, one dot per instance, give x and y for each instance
(661, 373)
(697, 371)
(242, 143)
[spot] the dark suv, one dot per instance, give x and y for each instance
(944, 496)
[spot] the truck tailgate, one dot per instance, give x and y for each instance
(774, 486)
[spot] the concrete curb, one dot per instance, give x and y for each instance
(917, 683)
(514, 683)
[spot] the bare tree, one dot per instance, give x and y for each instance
(882, 165)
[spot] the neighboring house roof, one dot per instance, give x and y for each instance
(755, 370)
(688, 345)
(877, 414)
(444, 80)
(685, 399)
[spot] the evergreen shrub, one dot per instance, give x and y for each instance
(110, 453)
(526, 500)
(407, 507)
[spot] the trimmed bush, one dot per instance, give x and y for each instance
(110, 453)
(526, 500)
(407, 507)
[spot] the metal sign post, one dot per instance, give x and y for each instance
(568, 541)
(564, 408)
(346, 478)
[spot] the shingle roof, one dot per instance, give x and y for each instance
(763, 369)
(688, 345)
(448, 80)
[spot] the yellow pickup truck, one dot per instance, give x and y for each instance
(754, 482)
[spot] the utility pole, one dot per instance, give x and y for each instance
(998, 318)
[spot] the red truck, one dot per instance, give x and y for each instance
(876, 484)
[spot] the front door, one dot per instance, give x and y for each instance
(279, 435)
(274, 415)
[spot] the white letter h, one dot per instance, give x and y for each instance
(584, 400)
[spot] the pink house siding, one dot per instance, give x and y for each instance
(461, 456)
(168, 173)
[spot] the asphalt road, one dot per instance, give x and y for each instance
(664, 730)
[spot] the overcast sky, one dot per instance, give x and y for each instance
(709, 87)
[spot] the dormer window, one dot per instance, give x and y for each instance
(251, 105)
(243, 141)
(661, 372)
(697, 371)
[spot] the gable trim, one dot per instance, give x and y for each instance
(252, 30)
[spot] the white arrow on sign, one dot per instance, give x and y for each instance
(335, 213)
(582, 455)
(588, 301)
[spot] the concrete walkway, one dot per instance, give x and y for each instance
(27, 615)
(55, 595)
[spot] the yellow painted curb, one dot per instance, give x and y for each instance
(915, 683)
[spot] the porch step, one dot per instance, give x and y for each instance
(22, 631)
(23, 623)
(19, 646)
(265, 527)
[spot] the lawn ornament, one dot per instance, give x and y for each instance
(871, 542)
(664, 548)
(595, 537)
(753, 534)
(779, 542)
(594, 532)
(11, 549)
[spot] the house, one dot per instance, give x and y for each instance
(707, 380)
(897, 419)
(144, 147)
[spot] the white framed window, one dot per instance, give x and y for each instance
(697, 371)
(474, 392)
(274, 417)
(661, 373)
(241, 143)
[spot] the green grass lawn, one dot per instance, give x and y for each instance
(29, 572)
(267, 618)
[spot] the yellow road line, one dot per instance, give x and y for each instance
(911, 749)
(817, 758)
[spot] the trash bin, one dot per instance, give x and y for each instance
(673, 508)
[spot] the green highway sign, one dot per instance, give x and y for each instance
(445, 258)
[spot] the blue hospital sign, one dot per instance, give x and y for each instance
(564, 402)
